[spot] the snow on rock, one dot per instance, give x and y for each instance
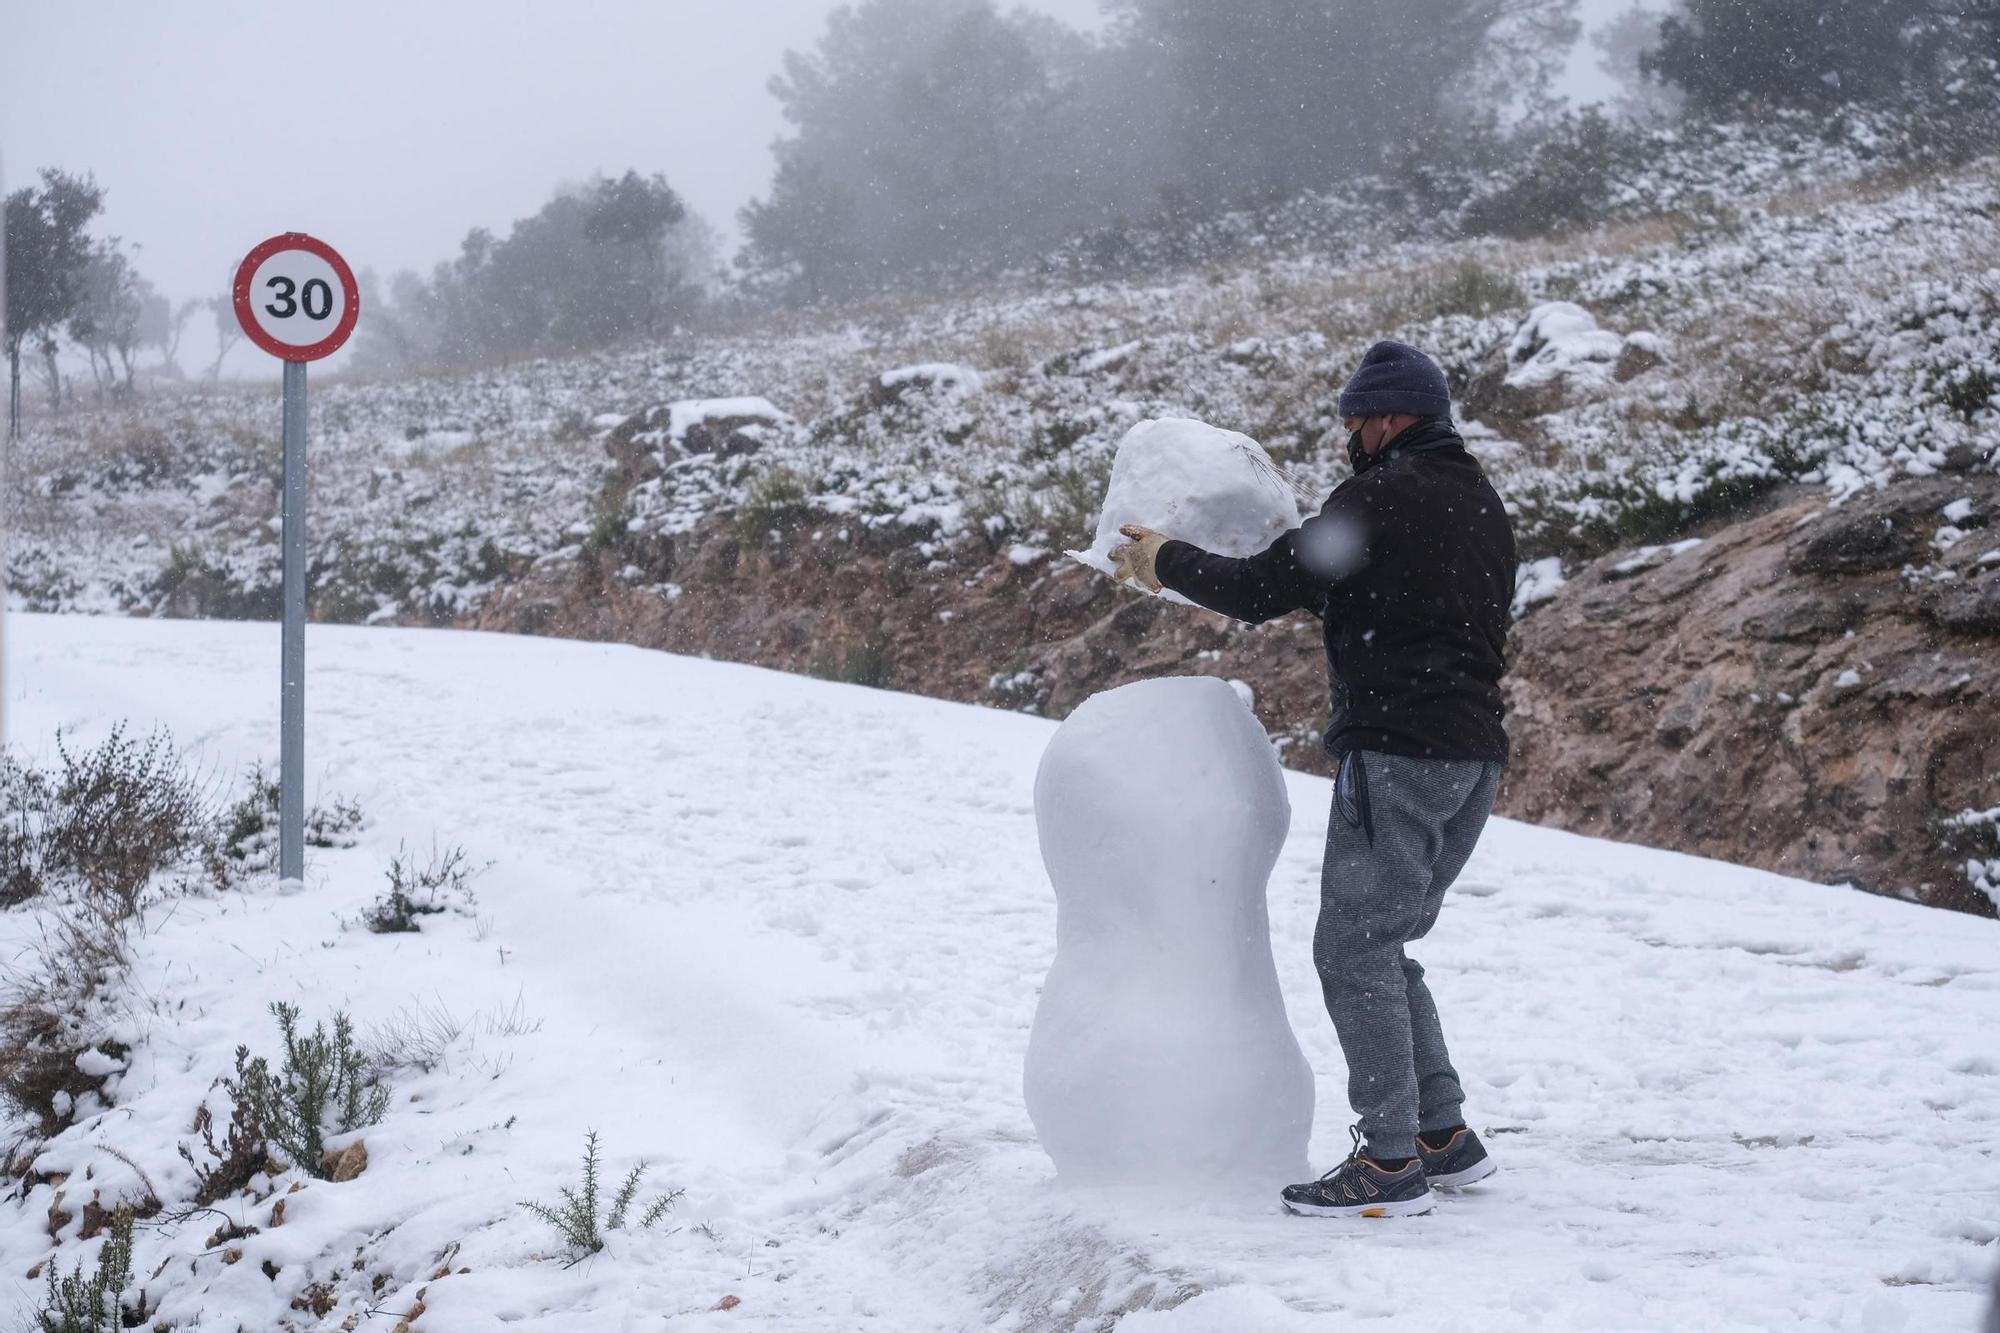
(1195, 482)
(719, 426)
(94, 1063)
(1561, 340)
(1163, 946)
(1651, 557)
(724, 425)
(943, 376)
(1537, 581)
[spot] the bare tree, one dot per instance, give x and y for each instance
(110, 309)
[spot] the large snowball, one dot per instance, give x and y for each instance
(1161, 1051)
(1195, 482)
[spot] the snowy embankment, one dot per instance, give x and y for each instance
(783, 939)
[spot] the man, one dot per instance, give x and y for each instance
(1411, 567)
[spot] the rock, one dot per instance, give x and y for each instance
(344, 1165)
(643, 442)
(1776, 696)
(1882, 529)
(277, 1214)
(729, 1302)
(1855, 544)
(1969, 606)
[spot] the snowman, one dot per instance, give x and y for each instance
(1161, 1051)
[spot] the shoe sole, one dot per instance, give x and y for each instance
(1471, 1175)
(1399, 1208)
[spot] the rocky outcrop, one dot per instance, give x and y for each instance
(1812, 690)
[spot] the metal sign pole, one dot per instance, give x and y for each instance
(292, 755)
(297, 299)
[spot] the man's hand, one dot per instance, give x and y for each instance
(1134, 561)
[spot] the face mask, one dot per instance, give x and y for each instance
(1360, 458)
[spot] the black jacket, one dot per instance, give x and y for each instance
(1411, 566)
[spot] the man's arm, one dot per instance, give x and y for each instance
(1253, 588)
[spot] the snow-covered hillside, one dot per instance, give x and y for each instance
(782, 939)
(1832, 331)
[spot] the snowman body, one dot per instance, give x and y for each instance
(1161, 1050)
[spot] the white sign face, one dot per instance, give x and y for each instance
(297, 298)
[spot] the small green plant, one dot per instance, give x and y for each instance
(326, 1085)
(778, 502)
(576, 1217)
(419, 890)
(90, 1303)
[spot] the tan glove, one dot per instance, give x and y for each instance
(1134, 561)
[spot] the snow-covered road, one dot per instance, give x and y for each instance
(783, 939)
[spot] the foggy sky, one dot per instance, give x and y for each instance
(390, 129)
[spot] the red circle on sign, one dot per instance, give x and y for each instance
(246, 315)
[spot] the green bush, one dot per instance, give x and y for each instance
(325, 1086)
(779, 501)
(77, 1303)
(1565, 180)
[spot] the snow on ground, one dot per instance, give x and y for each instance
(783, 938)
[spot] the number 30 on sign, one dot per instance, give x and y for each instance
(296, 297)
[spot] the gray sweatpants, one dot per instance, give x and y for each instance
(1400, 832)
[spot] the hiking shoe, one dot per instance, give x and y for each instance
(1359, 1188)
(1461, 1161)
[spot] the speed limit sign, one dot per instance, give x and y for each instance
(296, 297)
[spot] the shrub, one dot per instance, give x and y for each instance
(195, 585)
(1566, 179)
(25, 802)
(93, 1304)
(103, 823)
(1465, 288)
(576, 1217)
(415, 891)
(779, 502)
(247, 841)
(325, 1086)
(50, 1018)
(244, 1149)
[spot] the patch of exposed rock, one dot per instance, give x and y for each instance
(1811, 690)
